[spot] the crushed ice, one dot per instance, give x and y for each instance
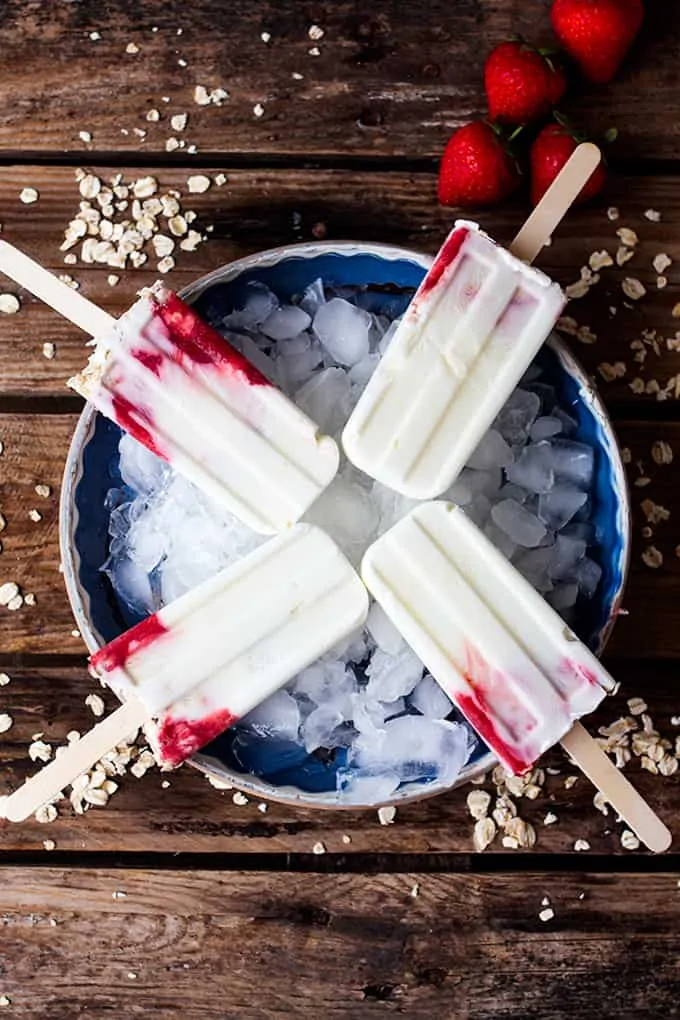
(365, 718)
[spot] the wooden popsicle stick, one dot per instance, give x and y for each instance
(45, 285)
(558, 198)
(76, 759)
(623, 797)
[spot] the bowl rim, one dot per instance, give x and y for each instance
(68, 516)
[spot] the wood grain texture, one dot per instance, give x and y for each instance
(261, 946)
(35, 451)
(389, 80)
(259, 209)
(191, 816)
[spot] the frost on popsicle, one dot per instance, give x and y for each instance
(358, 721)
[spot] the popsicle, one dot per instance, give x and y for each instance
(171, 381)
(501, 653)
(192, 669)
(471, 330)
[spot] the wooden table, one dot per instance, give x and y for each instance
(174, 901)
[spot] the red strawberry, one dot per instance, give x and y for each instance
(597, 33)
(522, 84)
(551, 150)
(476, 168)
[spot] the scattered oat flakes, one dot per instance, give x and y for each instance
(43, 491)
(296, 76)
(132, 48)
(623, 255)
(6, 722)
(8, 591)
(198, 184)
(570, 781)
(9, 304)
(218, 784)
(613, 213)
(627, 237)
(172, 144)
(166, 264)
(262, 807)
(661, 262)
(662, 452)
(258, 110)
(600, 803)
(600, 260)
(4, 679)
(629, 840)
(610, 372)
(165, 785)
(346, 839)
(661, 282)
(319, 848)
(314, 51)
(315, 32)
(85, 136)
(581, 844)
(3, 524)
(653, 215)
(179, 121)
(39, 750)
(484, 833)
(265, 37)
(577, 290)
(28, 196)
(219, 180)
(240, 799)
(96, 704)
(49, 350)
(652, 557)
(5, 1000)
(547, 914)
(118, 894)
(633, 288)
(35, 516)
(49, 844)
(45, 814)
(387, 814)
(478, 802)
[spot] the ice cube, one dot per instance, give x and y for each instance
(286, 322)
(563, 596)
(545, 428)
(255, 355)
(278, 716)
(391, 709)
(569, 551)
(569, 424)
(313, 298)
(322, 398)
(572, 462)
(343, 329)
(364, 786)
(534, 468)
(478, 510)
(142, 470)
(383, 631)
(499, 538)
(517, 416)
(347, 513)
(557, 507)
(535, 565)
(417, 748)
(518, 523)
(259, 305)
(293, 370)
(320, 725)
(588, 574)
(546, 395)
(392, 676)
(429, 698)
(360, 373)
(131, 584)
(324, 682)
(492, 452)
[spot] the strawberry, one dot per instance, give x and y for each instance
(551, 149)
(597, 33)
(476, 168)
(522, 84)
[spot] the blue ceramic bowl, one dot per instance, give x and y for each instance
(390, 276)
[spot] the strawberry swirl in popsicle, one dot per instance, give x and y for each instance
(171, 381)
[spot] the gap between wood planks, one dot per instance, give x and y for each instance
(352, 863)
(147, 160)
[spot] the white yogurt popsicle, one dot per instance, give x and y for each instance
(191, 670)
(501, 653)
(171, 381)
(209, 657)
(474, 325)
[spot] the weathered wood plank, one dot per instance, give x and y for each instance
(263, 946)
(391, 80)
(35, 451)
(191, 816)
(264, 208)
